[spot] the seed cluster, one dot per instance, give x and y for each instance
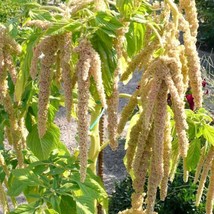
(50, 52)
(9, 46)
(89, 64)
(149, 151)
(113, 100)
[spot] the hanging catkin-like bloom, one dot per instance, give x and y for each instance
(58, 71)
(166, 158)
(184, 69)
(48, 47)
(39, 24)
(210, 192)
(132, 143)
(193, 64)
(126, 112)
(153, 182)
(36, 54)
(100, 5)
(10, 68)
(65, 55)
(190, 10)
(159, 122)
(13, 46)
(96, 73)
(83, 99)
(112, 102)
(142, 59)
(3, 200)
(157, 68)
(185, 171)
(2, 36)
(140, 178)
(85, 48)
(206, 168)
(179, 115)
(3, 165)
(199, 165)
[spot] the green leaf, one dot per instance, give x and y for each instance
(125, 7)
(55, 202)
(1, 133)
(51, 211)
(40, 14)
(193, 154)
(208, 133)
(85, 205)
(67, 203)
(108, 58)
(135, 38)
(107, 21)
(43, 147)
(61, 27)
(25, 209)
(2, 174)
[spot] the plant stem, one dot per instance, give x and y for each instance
(95, 139)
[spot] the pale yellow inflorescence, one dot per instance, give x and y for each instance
(126, 112)
(199, 165)
(7, 47)
(206, 167)
(210, 192)
(113, 100)
(3, 200)
(173, 70)
(48, 48)
(65, 56)
(166, 157)
(96, 73)
(83, 97)
(193, 64)
(190, 10)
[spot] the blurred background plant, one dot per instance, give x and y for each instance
(206, 28)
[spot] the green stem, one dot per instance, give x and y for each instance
(95, 139)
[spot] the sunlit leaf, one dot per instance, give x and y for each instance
(135, 38)
(208, 133)
(193, 154)
(44, 146)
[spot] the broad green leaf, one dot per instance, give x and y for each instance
(125, 7)
(107, 21)
(193, 154)
(43, 147)
(40, 14)
(67, 203)
(85, 205)
(108, 58)
(61, 27)
(208, 133)
(135, 38)
(51, 112)
(55, 202)
(191, 130)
